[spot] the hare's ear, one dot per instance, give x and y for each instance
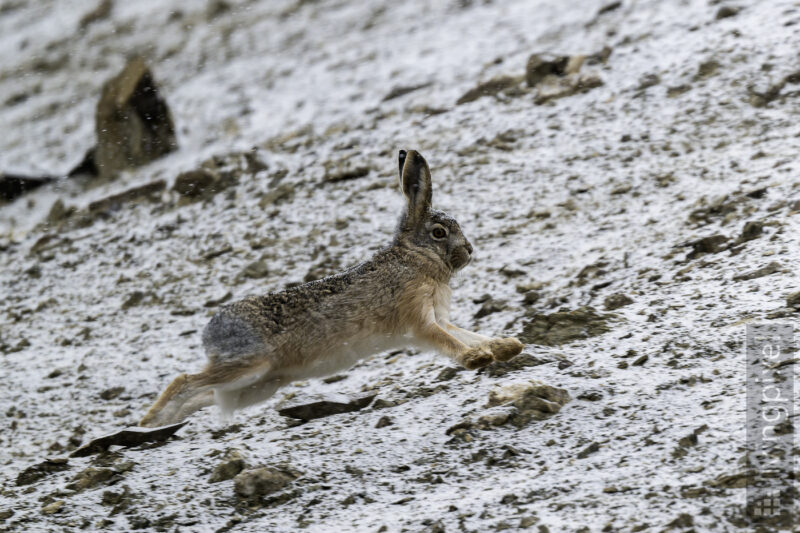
(415, 180)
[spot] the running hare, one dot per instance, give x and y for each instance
(398, 297)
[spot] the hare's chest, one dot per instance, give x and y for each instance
(441, 302)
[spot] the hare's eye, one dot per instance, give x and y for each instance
(439, 233)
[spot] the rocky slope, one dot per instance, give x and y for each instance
(631, 211)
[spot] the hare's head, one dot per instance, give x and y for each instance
(422, 228)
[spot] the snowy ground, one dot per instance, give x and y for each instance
(590, 195)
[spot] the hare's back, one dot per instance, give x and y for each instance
(230, 334)
(323, 307)
(248, 327)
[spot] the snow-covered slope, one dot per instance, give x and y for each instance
(567, 202)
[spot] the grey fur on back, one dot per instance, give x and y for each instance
(229, 335)
(257, 324)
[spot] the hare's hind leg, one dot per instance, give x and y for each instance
(189, 392)
(185, 395)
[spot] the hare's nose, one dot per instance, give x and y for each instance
(468, 246)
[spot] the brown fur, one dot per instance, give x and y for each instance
(401, 296)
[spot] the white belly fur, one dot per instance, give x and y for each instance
(347, 355)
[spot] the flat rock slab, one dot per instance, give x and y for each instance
(128, 437)
(34, 473)
(14, 185)
(565, 326)
(327, 406)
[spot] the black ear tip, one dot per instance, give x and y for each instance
(401, 157)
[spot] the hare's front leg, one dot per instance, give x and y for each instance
(470, 357)
(502, 349)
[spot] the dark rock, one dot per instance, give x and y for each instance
(564, 326)
(719, 208)
(136, 298)
(677, 90)
(531, 297)
(489, 88)
(111, 393)
(282, 192)
(403, 90)
(256, 270)
(197, 183)
(116, 498)
(13, 186)
(216, 8)
(540, 401)
(615, 301)
(689, 440)
(448, 373)
(383, 422)
(34, 473)
(227, 430)
(326, 267)
(752, 230)
(684, 520)
(489, 307)
(86, 166)
(132, 122)
(532, 401)
(591, 395)
(216, 252)
(336, 404)
(541, 65)
(648, 80)
(793, 300)
(589, 450)
(599, 58)
(532, 286)
(127, 437)
(706, 69)
(344, 170)
(727, 12)
(54, 507)
(102, 11)
(59, 212)
(380, 403)
(218, 300)
(707, 245)
(150, 191)
(262, 481)
(611, 6)
(523, 360)
(233, 462)
(738, 480)
(516, 404)
(553, 88)
(90, 477)
(766, 270)
(485, 297)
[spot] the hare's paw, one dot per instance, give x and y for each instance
(477, 357)
(505, 349)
